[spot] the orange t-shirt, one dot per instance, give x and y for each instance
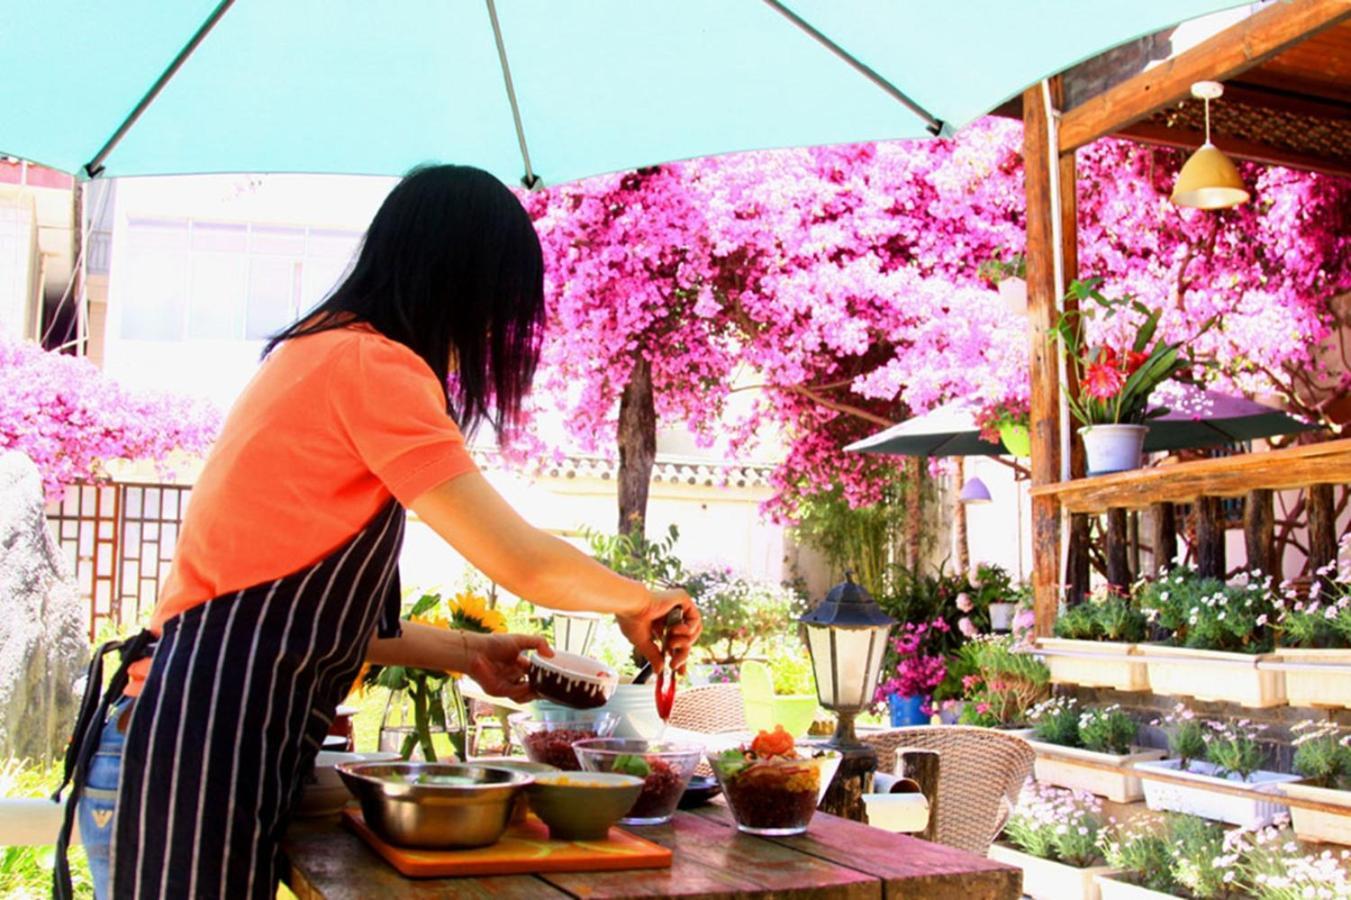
(332, 425)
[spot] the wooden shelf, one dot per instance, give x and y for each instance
(1230, 476)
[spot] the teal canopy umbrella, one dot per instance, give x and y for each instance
(1195, 418)
(533, 90)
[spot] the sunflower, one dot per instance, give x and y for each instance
(470, 612)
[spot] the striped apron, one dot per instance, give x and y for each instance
(242, 690)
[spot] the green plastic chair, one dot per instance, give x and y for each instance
(765, 709)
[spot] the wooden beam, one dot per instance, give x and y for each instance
(1118, 561)
(1322, 526)
(1163, 538)
(1187, 139)
(1044, 366)
(1247, 44)
(1229, 476)
(1259, 532)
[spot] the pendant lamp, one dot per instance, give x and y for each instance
(975, 491)
(1209, 180)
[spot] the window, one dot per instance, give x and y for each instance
(196, 280)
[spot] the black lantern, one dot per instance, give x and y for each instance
(847, 637)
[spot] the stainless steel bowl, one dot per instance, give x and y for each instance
(402, 802)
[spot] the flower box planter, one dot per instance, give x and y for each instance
(1045, 879)
(1201, 801)
(1317, 688)
(1064, 772)
(1114, 889)
(1119, 673)
(1315, 825)
(1214, 675)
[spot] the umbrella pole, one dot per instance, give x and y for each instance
(1058, 267)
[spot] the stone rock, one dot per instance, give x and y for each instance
(43, 643)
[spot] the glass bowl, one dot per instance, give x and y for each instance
(665, 768)
(548, 736)
(774, 796)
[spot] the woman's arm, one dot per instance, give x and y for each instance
(495, 661)
(538, 567)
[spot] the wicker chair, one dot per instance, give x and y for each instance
(709, 709)
(981, 772)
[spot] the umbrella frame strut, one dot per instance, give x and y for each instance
(530, 179)
(933, 124)
(94, 167)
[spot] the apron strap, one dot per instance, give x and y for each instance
(85, 740)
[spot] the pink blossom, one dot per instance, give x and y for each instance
(964, 603)
(967, 627)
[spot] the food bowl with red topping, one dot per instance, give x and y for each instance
(548, 735)
(772, 786)
(579, 682)
(665, 768)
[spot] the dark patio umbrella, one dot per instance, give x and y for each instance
(1195, 418)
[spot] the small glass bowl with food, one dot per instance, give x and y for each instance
(772, 786)
(547, 735)
(665, 768)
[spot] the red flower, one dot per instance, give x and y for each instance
(1103, 382)
(1107, 357)
(1134, 361)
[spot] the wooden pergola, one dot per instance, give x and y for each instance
(1287, 71)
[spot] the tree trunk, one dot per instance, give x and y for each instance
(1118, 557)
(914, 512)
(637, 447)
(1322, 526)
(1259, 533)
(959, 514)
(1210, 557)
(1164, 539)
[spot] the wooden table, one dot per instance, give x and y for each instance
(713, 861)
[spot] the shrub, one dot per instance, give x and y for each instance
(1107, 730)
(1143, 853)
(1056, 824)
(1323, 754)
(1323, 619)
(1234, 747)
(1207, 614)
(1056, 721)
(1107, 615)
(1005, 684)
(1186, 735)
(740, 614)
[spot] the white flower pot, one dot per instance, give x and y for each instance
(1311, 687)
(1121, 674)
(1044, 879)
(1200, 801)
(1113, 448)
(1112, 889)
(1013, 291)
(636, 707)
(1214, 675)
(1001, 616)
(1056, 765)
(1314, 825)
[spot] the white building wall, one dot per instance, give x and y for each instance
(20, 263)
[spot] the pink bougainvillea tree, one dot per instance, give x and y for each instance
(848, 279)
(72, 420)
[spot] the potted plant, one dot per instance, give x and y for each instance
(1183, 856)
(1317, 629)
(907, 686)
(1052, 835)
(1217, 633)
(1108, 622)
(1073, 743)
(1008, 422)
(1008, 275)
(1111, 401)
(1268, 866)
(1323, 757)
(1007, 681)
(996, 593)
(1232, 752)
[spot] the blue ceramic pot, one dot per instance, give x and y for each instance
(907, 711)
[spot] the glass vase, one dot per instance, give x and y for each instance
(426, 721)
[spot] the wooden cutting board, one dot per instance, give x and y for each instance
(524, 850)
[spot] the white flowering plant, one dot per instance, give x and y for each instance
(1056, 824)
(1323, 754)
(1186, 735)
(1107, 729)
(1208, 614)
(1177, 856)
(1322, 619)
(1203, 865)
(1109, 614)
(1056, 721)
(1235, 747)
(1270, 866)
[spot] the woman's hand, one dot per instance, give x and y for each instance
(497, 662)
(646, 628)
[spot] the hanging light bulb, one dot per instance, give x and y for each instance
(1209, 179)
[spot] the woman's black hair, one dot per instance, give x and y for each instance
(450, 267)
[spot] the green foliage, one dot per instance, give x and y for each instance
(861, 539)
(1234, 748)
(1322, 754)
(1002, 268)
(1186, 735)
(1143, 853)
(653, 562)
(1107, 730)
(741, 615)
(791, 666)
(1323, 619)
(910, 597)
(1056, 721)
(1006, 682)
(1207, 614)
(1200, 862)
(1184, 856)
(26, 872)
(1107, 615)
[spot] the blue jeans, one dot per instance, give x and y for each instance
(98, 799)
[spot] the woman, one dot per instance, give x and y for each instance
(285, 580)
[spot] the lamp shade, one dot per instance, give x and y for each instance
(1209, 180)
(847, 638)
(574, 631)
(975, 491)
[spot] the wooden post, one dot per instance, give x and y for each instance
(921, 767)
(1259, 533)
(1163, 518)
(959, 515)
(1210, 538)
(1322, 526)
(1079, 565)
(1118, 562)
(1044, 361)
